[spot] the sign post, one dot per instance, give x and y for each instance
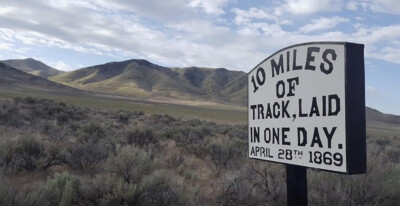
(306, 109)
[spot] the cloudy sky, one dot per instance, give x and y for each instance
(235, 34)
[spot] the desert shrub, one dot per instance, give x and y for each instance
(382, 141)
(123, 117)
(228, 153)
(85, 155)
(55, 133)
(62, 118)
(238, 132)
(54, 155)
(157, 189)
(28, 154)
(392, 185)
(11, 116)
(200, 150)
(176, 160)
(267, 179)
(259, 183)
(68, 189)
(7, 156)
(62, 189)
(235, 191)
(24, 154)
(393, 154)
(375, 187)
(141, 136)
(131, 164)
(17, 99)
(161, 120)
(30, 100)
(12, 193)
(188, 135)
(91, 133)
(220, 155)
(117, 192)
(195, 122)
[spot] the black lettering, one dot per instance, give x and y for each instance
(260, 111)
(301, 114)
(284, 135)
(294, 62)
(336, 99)
(314, 107)
(276, 110)
(311, 58)
(269, 113)
(262, 151)
(281, 84)
(260, 81)
(326, 60)
(277, 67)
(251, 135)
(252, 153)
(256, 134)
(329, 135)
(275, 133)
(267, 140)
(254, 84)
(253, 107)
(301, 136)
(316, 139)
(284, 109)
(269, 153)
(287, 61)
(292, 82)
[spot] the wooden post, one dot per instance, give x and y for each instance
(296, 183)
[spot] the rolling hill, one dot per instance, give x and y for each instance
(11, 78)
(142, 79)
(377, 119)
(33, 66)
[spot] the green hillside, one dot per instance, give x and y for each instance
(32, 66)
(142, 79)
(14, 79)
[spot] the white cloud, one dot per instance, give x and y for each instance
(246, 16)
(323, 24)
(371, 89)
(6, 46)
(60, 65)
(210, 6)
(174, 33)
(359, 18)
(389, 53)
(6, 9)
(373, 35)
(312, 6)
(383, 6)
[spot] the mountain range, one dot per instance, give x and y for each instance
(33, 66)
(142, 79)
(15, 79)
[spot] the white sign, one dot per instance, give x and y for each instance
(297, 107)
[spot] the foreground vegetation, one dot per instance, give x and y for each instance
(220, 113)
(55, 154)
